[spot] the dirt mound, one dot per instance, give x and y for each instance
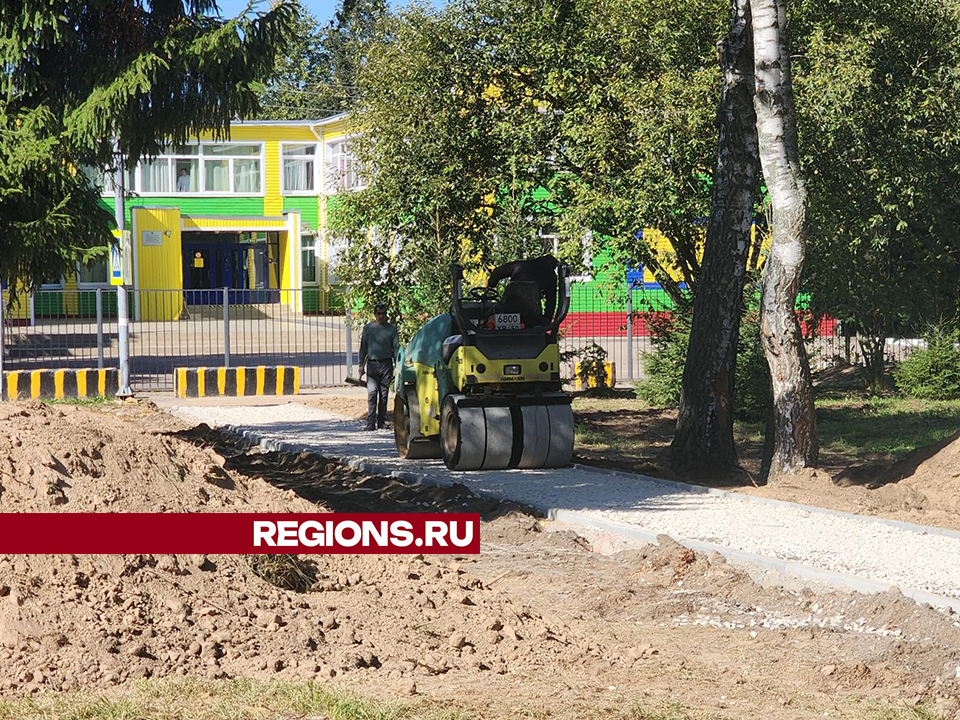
(926, 478)
(86, 621)
(77, 460)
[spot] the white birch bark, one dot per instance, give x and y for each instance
(791, 442)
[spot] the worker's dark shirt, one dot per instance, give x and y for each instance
(541, 270)
(378, 342)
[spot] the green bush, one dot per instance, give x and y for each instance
(933, 372)
(664, 367)
(593, 365)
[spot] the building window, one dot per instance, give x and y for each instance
(93, 272)
(308, 253)
(299, 167)
(155, 175)
(548, 239)
(197, 169)
(204, 168)
(216, 176)
(103, 179)
(343, 170)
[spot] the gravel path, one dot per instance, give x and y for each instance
(859, 546)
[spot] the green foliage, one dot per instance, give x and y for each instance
(317, 67)
(451, 172)
(663, 368)
(50, 216)
(482, 119)
(933, 372)
(593, 365)
(639, 106)
(76, 74)
(753, 388)
(878, 100)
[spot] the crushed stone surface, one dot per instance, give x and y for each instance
(861, 546)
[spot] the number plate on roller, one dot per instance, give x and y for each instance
(506, 321)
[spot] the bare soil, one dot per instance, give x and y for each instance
(536, 625)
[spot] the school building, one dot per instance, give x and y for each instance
(247, 214)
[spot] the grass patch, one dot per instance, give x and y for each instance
(917, 712)
(241, 699)
(82, 402)
(884, 426)
(285, 571)
(852, 428)
(674, 711)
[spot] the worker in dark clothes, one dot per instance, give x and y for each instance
(541, 270)
(379, 344)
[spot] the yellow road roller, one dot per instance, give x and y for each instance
(480, 385)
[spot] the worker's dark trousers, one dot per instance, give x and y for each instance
(379, 376)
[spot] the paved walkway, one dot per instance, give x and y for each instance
(858, 551)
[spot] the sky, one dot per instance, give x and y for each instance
(322, 10)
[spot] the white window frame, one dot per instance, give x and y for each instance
(199, 157)
(59, 285)
(316, 262)
(108, 191)
(335, 188)
(318, 176)
(94, 285)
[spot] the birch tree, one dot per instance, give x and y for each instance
(704, 439)
(791, 439)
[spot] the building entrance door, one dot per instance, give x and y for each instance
(212, 262)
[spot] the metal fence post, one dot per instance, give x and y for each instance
(3, 338)
(349, 343)
(99, 328)
(122, 314)
(629, 330)
(226, 327)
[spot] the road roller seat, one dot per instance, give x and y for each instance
(449, 347)
(523, 296)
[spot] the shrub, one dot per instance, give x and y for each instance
(285, 571)
(664, 367)
(593, 365)
(933, 372)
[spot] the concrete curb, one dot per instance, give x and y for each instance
(236, 381)
(59, 383)
(807, 572)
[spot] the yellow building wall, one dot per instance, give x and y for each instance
(18, 310)
(207, 222)
(158, 267)
(290, 269)
(273, 200)
(71, 298)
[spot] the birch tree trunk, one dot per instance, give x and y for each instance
(703, 443)
(791, 432)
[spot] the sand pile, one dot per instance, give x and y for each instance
(87, 621)
(927, 478)
(78, 460)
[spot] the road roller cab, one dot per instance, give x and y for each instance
(480, 386)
